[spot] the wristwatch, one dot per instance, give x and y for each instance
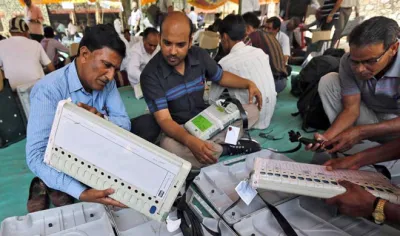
(379, 214)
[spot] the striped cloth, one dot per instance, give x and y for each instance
(270, 45)
(328, 7)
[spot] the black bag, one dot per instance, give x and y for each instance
(309, 103)
(12, 126)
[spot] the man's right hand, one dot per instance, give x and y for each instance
(317, 146)
(350, 162)
(202, 150)
(100, 196)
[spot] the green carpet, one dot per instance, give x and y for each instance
(15, 176)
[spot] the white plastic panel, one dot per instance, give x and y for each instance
(24, 92)
(79, 219)
(103, 155)
(129, 222)
(309, 217)
(206, 214)
(217, 183)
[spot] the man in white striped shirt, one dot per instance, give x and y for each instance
(248, 62)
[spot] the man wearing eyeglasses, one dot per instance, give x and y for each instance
(363, 100)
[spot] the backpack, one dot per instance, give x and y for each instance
(309, 104)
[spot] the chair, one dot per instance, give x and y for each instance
(73, 49)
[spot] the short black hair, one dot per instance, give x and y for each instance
(234, 26)
(149, 30)
(191, 26)
(192, 8)
(251, 19)
(48, 32)
(376, 30)
(276, 22)
(101, 36)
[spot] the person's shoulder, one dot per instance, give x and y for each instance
(198, 52)
(53, 83)
(151, 69)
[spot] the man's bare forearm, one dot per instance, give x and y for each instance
(343, 121)
(392, 212)
(388, 127)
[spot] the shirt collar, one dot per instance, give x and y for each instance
(167, 69)
(394, 70)
(238, 46)
(74, 84)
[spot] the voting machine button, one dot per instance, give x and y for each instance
(153, 209)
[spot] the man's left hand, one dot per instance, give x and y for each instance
(90, 109)
(345, 140)
(355, 202)
(255, 92)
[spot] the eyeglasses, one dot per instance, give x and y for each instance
(370, 62)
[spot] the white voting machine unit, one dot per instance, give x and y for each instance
(212, 120)
(85, 219)
(311, 217)
(217, 183)
(316, 181)
(103, 155)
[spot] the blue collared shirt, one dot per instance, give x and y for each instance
(59, 85)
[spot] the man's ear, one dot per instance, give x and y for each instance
(395, 48)
(190, 41)
(84, 53)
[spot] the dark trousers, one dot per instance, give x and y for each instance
(146, 127)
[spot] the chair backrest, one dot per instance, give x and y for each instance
(73, 49)
(209, 40)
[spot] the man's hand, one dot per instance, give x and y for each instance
(100, 196)
(350, 162)
(254, 92)
(345, 140)
(329, 19)
(317, 146)
(355, 202)
(202, 150)
(91, 109)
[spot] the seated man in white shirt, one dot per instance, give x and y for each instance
(21, 58)
(141, 53)
(247, 62)
(274, 26)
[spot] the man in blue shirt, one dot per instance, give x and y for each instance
(88, 81)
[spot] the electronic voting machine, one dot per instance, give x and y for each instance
(103, 155)
(213, 119)
(316, 181)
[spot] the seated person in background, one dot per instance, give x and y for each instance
(358, 202)
(362, 101)
(52, 46)
(273, 26)
(270, 45)
(88, 82)
(173, 87)
(141, 53)
(247, 62)
(21, 58)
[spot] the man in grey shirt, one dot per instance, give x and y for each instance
(363, 100)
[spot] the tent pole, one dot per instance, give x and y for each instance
(240, 6)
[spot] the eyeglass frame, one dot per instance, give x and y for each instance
(372, 61)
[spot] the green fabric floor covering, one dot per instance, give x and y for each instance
(15, 177)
